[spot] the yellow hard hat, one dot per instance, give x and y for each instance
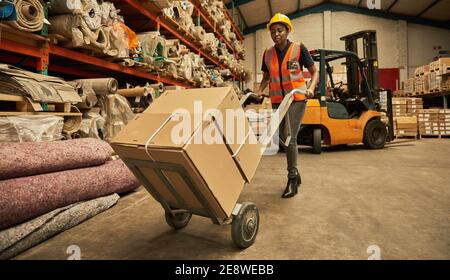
(281, 19)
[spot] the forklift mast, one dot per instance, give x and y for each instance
(369, 59)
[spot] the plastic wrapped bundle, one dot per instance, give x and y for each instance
(117, 112)
(64, 6)
(31, 128)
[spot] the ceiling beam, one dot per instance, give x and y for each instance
(270, 8)
(392, 5)
(237, 3)
(335, 7)
(242, 17)
(429, 7)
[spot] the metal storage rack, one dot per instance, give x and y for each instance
(36, 51)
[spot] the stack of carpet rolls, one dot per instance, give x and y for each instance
(25, 15)
(48, 187)
(93, 25)
(105, 112)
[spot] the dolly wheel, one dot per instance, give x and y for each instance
(178, 220)
(245, 225)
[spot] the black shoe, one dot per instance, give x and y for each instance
(292, 187)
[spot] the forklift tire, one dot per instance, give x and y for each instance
(317, 141)
(375, 134)
(178, 220)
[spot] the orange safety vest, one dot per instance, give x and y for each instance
(290, 78)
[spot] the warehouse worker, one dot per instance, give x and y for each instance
(282, 66)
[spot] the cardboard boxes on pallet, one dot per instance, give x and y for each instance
(406, 107)
(440, 66)
(405, 115)
(444, 121)
(399, 107)
(439, 78)
(428, 120)
(413, 105)
(439, 83)
(406, 126)
(408, 87)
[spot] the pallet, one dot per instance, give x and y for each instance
(435, 136)
(403, 136)
(441, 66)
(24, 104)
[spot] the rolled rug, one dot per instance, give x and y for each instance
(17, 239)
(32, 158)
(103, 86)
(25, 198)
(30, 15)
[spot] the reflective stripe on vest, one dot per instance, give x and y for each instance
(290, 78)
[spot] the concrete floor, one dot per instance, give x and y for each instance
(397, 198)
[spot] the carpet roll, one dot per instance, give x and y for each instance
(31, 158)
(25, 198)
(15, 240)
(30, 15)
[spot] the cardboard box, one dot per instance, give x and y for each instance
(218, 177)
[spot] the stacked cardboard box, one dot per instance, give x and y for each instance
(406, 126)
(439, 78)
(441, 66)
(421, 80)
(408, 87)
(406, 107)
(405, 115)
(180, 167)
(399, 107)
(444, 122)
(422, 84)
(413, 105)
(428, 121)
(422, 70)
(439, 83)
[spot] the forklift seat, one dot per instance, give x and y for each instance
(356, 106)
(337, 111)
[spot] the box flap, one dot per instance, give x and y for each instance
(159, 130)
(173, 100)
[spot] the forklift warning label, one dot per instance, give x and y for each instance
(229, 269)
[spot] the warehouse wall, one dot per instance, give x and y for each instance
(401, 46)
(421, 43)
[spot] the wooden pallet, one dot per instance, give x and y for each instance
(24, 104)
(442, 65)
(435, 136)
(403, 136)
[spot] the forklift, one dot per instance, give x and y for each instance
(350, 113)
